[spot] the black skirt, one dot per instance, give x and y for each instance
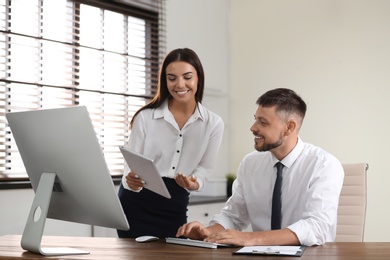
(151, 214)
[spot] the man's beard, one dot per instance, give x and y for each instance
(269, 146)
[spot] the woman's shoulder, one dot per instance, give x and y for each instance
(151, 111)
(207, 114)
(144, 116)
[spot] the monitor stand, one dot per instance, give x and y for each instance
(33, 231)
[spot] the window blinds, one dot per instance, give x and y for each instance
(58, 53)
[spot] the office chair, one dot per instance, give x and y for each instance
(351, 214)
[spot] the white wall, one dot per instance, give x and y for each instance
(202, 25)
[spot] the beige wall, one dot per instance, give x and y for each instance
(335, 53)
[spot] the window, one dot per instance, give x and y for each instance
(58, 53)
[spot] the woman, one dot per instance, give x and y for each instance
(182, 137)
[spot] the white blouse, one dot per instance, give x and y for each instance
(190, 150)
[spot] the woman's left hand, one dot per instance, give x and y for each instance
(189, 183)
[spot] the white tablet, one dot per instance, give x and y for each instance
(147, 170)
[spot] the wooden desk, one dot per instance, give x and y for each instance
(115, 248)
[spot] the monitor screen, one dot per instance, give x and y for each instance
(68, 173)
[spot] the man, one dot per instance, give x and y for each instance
(311, 184)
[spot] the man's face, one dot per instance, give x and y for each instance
(268, 129)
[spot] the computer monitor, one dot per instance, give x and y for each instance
(68, 173)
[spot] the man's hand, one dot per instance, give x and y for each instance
(258, 238)
(232, 237)
(193, 230)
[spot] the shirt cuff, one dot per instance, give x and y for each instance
(124, 184)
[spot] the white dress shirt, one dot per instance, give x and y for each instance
(190, 150)
(312, 181)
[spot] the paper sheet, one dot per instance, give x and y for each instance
(272, 250)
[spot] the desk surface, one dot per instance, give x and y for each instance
(116, 248)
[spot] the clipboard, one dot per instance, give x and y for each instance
(271, 250)
(147, 170)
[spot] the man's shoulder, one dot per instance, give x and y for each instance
(321, 156)
(314, 150)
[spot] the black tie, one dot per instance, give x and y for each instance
(276, 200)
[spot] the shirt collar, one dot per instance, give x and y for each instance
(160, 111)
(200, 112)
(163, 111)
(292, 156)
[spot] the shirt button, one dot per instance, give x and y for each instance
(180, 135)
(173, 167)
(178, 151)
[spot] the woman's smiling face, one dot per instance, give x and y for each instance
(182, 81)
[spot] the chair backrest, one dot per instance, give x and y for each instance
(351, 214)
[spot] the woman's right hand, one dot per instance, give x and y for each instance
(134, 181)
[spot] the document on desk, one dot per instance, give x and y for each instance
(271, 250)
